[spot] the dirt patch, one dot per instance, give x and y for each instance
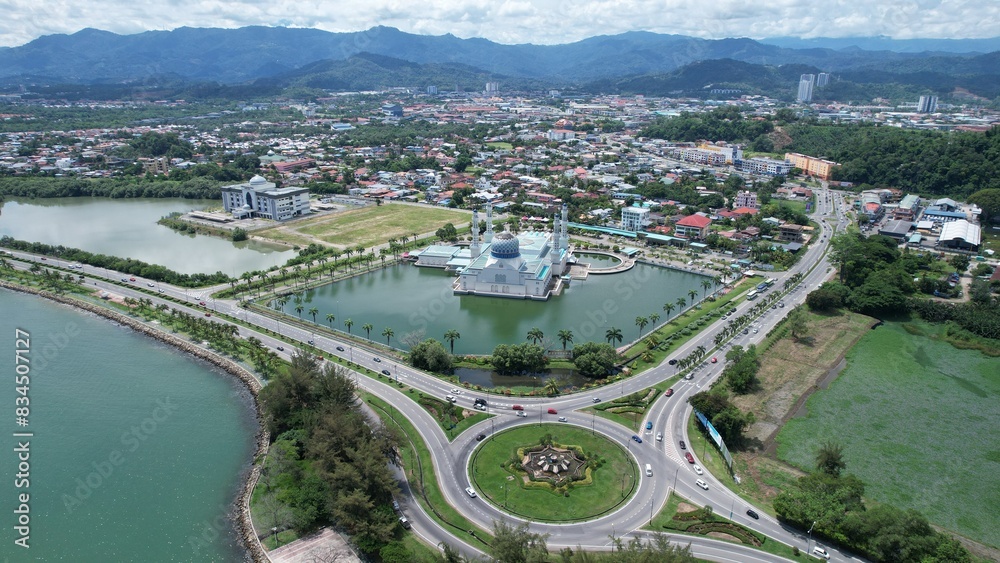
(793, 369)
(724, 537)
(684, 507)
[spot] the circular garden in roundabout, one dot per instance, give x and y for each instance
(553, 473)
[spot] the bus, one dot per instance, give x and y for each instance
(770, 282)
(752, 295)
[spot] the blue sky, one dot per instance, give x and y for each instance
(519, 21)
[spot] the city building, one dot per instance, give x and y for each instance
(156, 166)
(263, 199)
(746, 198)
(822, 169)
(927, 104)
(822, 79)
(392, 110)
(960, 234)
(693, 226)
(635, 218)
(806, 83)
(492, 88)
(760, 166)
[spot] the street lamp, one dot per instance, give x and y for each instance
(809, 536)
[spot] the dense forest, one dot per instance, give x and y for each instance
(932, 163)
(120, 187)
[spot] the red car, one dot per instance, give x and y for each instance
(553, 411)
(689, 457)
(669, 392)
(714, 360)
(202, 303)
(518, 408)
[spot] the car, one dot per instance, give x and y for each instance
(701, 484)
(781, 304)
(480, 437)
(522, 414)
(125, 280)
(553, 411)
(689, 376)
(377, 360)
(395, 504)
(340, 348)
(451, 398)
(669, 392)
(131, 279)
(683, 445)
(312, 342)
(755, 331)
(753, 514)
(637, 439)
(715, 360)
(659, 436)
(471, 492)
(150, 284)
(404, 522)
(386, 373)
(689, 457)
(480, 401)
(746, 331)
(44, 259)
(698, 469)
(456, 391)
(563, 419)
(479, 407)
(672, 362)
(820, 552)
(517, 408)
(596, 400)
(208, 314)
(202, 303)
(160, 290)
(649, 425)
(280, 348)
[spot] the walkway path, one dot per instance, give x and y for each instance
(325, 546)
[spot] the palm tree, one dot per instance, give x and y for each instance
(551, 388)
(705, 284)
(313, 311)
(367, 327)
(653, 318)
(668, 308)
(348, 251)
(388, 333)
(451, 336)
(330, 318)
(298, 309)
(382, 252)
(681, 302)
(613, 334)
(641, 322)
(692, 294)
(348, 323)
(565, 336)
(535, 335)
(830, 458)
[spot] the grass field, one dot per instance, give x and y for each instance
(613, 483)
(917, 419)
(367, 226)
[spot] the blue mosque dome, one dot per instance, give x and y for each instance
(505, 245)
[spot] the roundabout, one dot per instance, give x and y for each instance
(553, 473)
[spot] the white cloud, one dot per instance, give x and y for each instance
(519, 21)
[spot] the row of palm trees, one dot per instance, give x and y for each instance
(280, 302)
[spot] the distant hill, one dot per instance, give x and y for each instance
(883, 43)
(230, 56)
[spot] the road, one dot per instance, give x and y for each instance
(668, 414)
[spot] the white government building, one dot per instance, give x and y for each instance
(260, 198)
(524, 266)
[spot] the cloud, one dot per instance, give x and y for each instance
(519, 21)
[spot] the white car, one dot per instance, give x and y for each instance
(456, 391)
(451, 398)
(659, 436)
(820, 552)
(522, 414)
(471, 492)
(698, 470)
(563, 419)
(701, 484)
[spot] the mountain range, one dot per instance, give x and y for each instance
(385, 56)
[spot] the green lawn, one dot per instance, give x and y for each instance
(613, 482)
(377, 224)
(500, 145)
(917, 419)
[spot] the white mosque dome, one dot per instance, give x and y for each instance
(257, 181)
(504, 246)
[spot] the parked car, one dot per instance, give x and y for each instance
(701, 484)
(751, 513)
(553, 411)
(404, 522)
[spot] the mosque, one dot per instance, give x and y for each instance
(528, 265)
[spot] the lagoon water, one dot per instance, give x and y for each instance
(409, 299)
(127, 228)
(138, 451)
